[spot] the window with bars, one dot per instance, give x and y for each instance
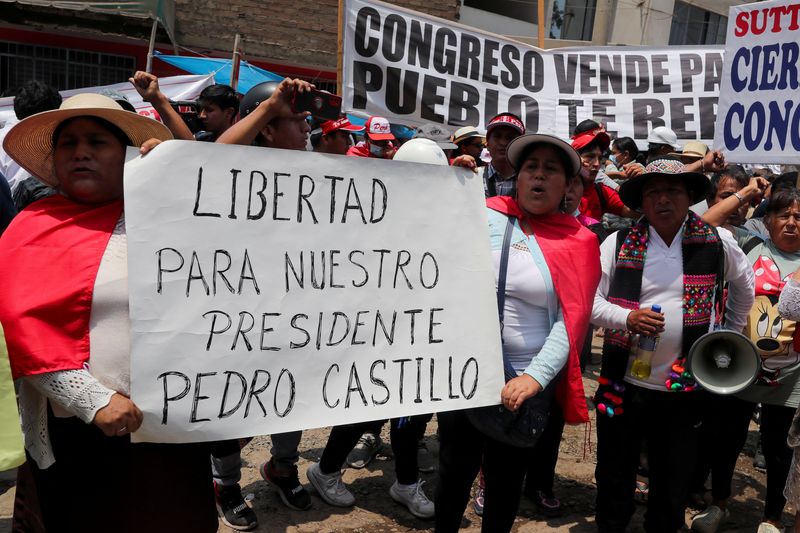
(693, 25)
(62, 68)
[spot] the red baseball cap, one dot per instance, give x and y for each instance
(378, 129)
(506, 119)
(579, 140)
(340, 124)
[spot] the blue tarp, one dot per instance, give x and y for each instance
(249, 75)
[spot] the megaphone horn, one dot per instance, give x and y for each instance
(724, 362)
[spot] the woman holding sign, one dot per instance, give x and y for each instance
(547, 271)
(64, 307)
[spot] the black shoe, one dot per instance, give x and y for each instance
(233, 510)
(293, 494)
(759, 462)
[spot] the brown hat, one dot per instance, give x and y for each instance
(30, 142)
(698, 185)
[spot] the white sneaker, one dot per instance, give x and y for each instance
(414, 498)
(709, 520)
(330, 487)
(766, 527)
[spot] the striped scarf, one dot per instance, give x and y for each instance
(702, 251)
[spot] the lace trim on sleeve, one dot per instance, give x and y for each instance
(77, 391)
(789, 302)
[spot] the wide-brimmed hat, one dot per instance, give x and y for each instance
(30, 142)
(518, 148)
(630, 192)
(467, 132)
(692, 151)
(437, 134)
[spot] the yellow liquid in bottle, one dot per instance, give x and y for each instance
(640, 369)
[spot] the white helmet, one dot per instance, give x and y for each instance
(421, 151)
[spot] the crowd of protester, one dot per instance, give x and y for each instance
(589, 235)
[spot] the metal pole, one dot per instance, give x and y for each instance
(340, 46)
(153, 32)
(235, 63)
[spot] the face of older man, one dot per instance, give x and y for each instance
(665, 203)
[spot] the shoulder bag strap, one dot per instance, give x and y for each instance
(501, 289)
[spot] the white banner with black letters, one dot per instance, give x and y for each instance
(414, 68)
(275, 290)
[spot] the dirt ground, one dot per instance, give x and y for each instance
(375, 512)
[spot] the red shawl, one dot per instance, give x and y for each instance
(573, 257)
(49, 257)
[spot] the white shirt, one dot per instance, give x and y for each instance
(9, 168)
(662, 284)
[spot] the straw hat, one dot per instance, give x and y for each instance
(30, 142)
(692, 151)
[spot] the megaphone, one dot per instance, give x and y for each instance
(724, 362)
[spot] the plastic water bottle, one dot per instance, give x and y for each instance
(644, 358)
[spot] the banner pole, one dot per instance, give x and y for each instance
(151, 47)
(340, 48)
(235, 63)
(540, 20)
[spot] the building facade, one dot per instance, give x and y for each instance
(71, 48)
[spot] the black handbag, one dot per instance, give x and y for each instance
(522, 428)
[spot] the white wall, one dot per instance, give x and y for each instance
(496, 23)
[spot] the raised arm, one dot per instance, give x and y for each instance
(718, 213)
(147, 86)
(279, 105)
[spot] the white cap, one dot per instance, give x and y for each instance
(663, 135)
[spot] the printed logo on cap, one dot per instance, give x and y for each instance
(379, 125)
(507, 120)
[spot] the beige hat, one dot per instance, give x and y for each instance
(30, 142)
(465, 133)
(692, 151)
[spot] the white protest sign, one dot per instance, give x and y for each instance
(759, 108)
(275, 290)
(415, 68)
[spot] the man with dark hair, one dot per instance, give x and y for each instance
(499, 177)
(33, 97)
(218, 106)
(590, 140)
